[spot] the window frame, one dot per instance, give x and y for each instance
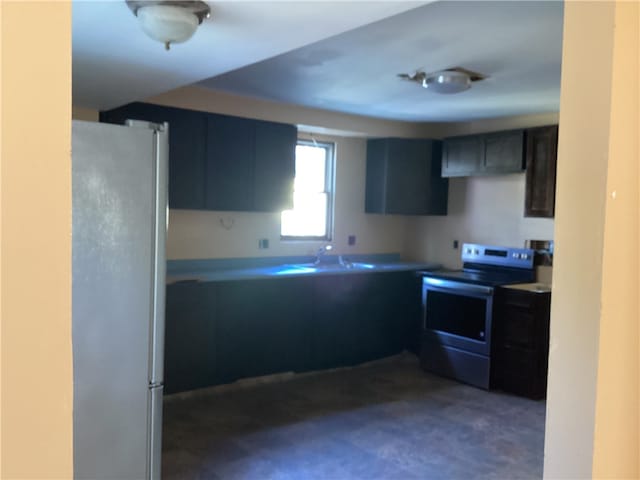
(329, 185)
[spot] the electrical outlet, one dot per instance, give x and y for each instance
(263, 243)
(351, 240)
(455, 244)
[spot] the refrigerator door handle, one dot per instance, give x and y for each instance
(156, 370)
(155, 433)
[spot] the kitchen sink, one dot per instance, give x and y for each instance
(324, 267)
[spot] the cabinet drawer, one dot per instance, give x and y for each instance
(516, 298)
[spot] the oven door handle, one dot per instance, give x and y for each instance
(458, 287)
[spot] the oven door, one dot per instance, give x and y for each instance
(457, 314)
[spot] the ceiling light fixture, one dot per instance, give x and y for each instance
(447, 81)
(450, 80)
(169, 21)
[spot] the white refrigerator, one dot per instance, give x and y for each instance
(119, 185)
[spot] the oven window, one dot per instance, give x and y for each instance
(457, 314)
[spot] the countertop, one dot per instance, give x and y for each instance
(535, 287)
(190, 271)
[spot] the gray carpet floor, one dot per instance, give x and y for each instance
(387, 420)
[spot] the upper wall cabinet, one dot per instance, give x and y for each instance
(221, 162)
(487, 154)
(187, 148)
(541, 153)
(251, 164)
(230, 154)
(403, 177)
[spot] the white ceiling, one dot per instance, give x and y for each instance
(341, 56)
(114, 62)
(517, 44)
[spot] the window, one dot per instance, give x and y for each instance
(311, 216)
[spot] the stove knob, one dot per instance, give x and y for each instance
(476, 251)
(515, 255)
(524, 256)
(469, 251)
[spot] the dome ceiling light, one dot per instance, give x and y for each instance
(169, 21)
(450, 80)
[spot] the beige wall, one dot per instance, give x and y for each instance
(195, 234)
(481, 210)
(616, 452)
(497, 124)
(307, 119)
(592, 401)
(86, 114)
(35, 267)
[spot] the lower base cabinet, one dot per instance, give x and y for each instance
(189, 350)
(336, 323)
(219, 332)
(261, 327)
(520, 343)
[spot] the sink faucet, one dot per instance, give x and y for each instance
(321, 253)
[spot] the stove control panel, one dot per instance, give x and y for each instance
(496, 255)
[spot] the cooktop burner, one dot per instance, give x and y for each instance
(479, 277)
(491, 266)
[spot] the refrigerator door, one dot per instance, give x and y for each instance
(113, 251)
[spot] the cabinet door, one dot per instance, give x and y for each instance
(438, 193)
(262, 327)
(187, 143)
(520, 342)
(275, 157)
(403, 177)
(230, 163)
(384, 310)
(541, 154)
(412, 292)
(335, 332)
(189, 360)
(504, 152)
(462, 156)
(376, 177)
(408, 174)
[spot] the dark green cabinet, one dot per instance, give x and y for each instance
(219, 332)
(251, 164)
(190, 342)
(221, 162)
(335, 328)
(541, 157)
(359, 318)
(385, 314)
(230, 154)
(486, 154)
(187, 149)
(275, 166)
(403, 177)
(262, 327)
